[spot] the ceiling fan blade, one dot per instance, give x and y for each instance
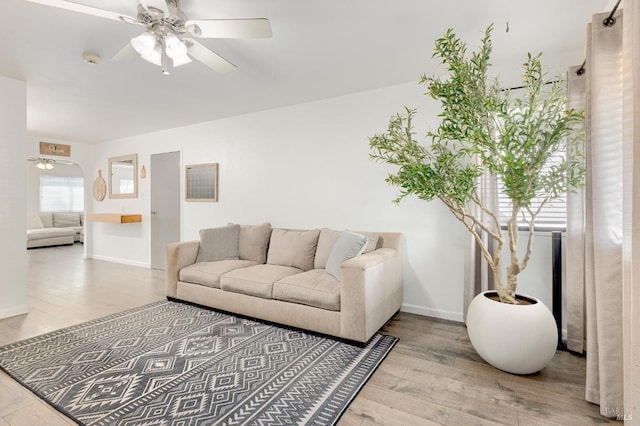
(66, 162)
(128, 53)
(160, 5)
(88, 10)
(207, 57)
(232, 28)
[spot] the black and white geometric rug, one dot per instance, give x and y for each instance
(170, 363)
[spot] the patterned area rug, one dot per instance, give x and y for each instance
(171, 363)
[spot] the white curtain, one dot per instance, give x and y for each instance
(631, 212)
(575, 252)
(603, 220)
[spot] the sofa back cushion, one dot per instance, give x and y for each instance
(349, 245)
(65, 220)
(219, 244)
(47, 219)
(34, 221)
(293, 248)
(253, 242)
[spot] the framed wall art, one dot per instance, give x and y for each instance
(201, 182)
(48, 148)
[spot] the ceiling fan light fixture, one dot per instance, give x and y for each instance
(45, 164)
(181, 60)
(155, 56)
(144, 44)
(164, 25)
(175, 47)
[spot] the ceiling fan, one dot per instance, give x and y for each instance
(44, 163)
(165, 25)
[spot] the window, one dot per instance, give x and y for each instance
(552, 217)
(59, 193)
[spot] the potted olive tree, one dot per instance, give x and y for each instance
(529, 143)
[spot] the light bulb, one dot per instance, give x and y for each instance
(41, 165)
(155, 56)
(48, 166)
(175, 47)
(181, 60)
(144, 44)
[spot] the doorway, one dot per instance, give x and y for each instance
(55, 198)
(165, 173)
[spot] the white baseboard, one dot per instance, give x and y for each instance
(430, 312)
(13, 311)
(118, 260)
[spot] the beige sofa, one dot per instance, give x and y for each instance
(54, 228)
(285, 276)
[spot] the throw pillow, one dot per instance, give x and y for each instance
(349, 245)
(293, 248)
(326, 241)
(253, 242)
(372, 244)
(218, 244)
(34, 221)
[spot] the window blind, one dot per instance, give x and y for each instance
(552, 217)
(59, 193)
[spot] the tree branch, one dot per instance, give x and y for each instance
(531, 223)
(492, 259)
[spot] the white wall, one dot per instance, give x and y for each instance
(305, 166)
(13, 210)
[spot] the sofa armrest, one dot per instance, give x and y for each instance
(370, 292)
(178, 255)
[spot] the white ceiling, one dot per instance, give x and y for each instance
(319, 49)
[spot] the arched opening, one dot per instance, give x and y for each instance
(55, 202)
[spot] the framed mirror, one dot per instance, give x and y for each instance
(123, 176)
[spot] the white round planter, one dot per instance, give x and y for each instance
(519, 339)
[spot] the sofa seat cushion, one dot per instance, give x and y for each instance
(77, 229)
(44, 233)
(256, 280)
(209, 273)
(314, 288)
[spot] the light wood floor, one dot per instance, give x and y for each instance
(432, 376)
